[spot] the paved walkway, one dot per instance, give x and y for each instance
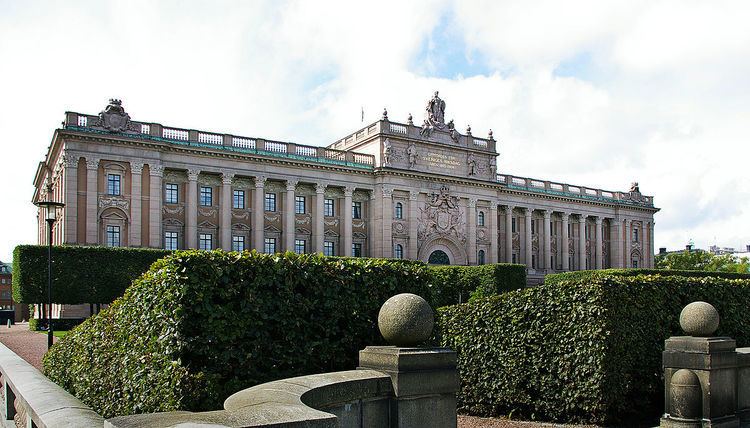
(28, 344)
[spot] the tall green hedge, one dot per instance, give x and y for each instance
(583, 347)
(200, 325)
(79, 274)
(456, 284)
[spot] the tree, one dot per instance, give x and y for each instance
(702, 260)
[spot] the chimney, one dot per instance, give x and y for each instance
(662, 250)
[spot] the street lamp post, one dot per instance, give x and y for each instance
(50, 215)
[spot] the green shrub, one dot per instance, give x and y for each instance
(585, 347)
(201, 325)
(36, 324)
(456, 284)
(80, 274)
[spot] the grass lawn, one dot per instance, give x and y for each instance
(56, 333)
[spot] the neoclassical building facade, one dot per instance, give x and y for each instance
(390, 189)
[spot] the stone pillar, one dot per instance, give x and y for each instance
(651, 257)
(582, 242)
(288, 232)
(413, 223)
(628, 241)
(136, 180)
(70, 163)
(155, 175)
(548, 241)
(259, 213)
(494, 243)
(509, 234)
(471, 234)
(599, 242)
(346, 222)
(318, 217)
(225, 211)
(615, 243)
(191, 210)
(564, 252)
(387, 221)
(92, 202)
(527, 224)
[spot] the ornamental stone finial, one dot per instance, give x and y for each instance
(468, 129)
(491, 138)
(406, 320)
(409, 120)
(699, 319)
(385, 114)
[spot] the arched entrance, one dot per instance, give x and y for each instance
(438, 257)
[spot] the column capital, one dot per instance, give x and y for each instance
(547, 214)
(136, 167)
(260, 181)
(193, 174)
(92, 163)
(291, 185)
(564, 215)
(493, 205)
(509, 209)
(413, 195)
(320, 188)
(472, 202)
(387, 192)
(156, 170)
(69, 160)
(527, 211)
(599, 220)
(226, 178)
(582, 217)
(349, 190)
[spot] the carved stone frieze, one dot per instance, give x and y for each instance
(305, 190)
(399, 228)
(113, 201)
(156, 170)
(175, 176)
(174, 211)
(571, 247)
(442, 215)
(274, 187)
(535, 242)
(330, 233)
(516, 241)
(333, 193)
(588, 247)
(359, 235)
(302, 231)
(553, 246)
(243, 183)
(207, 212)
(302, 220)
(136, 167)
(360, 196)
(333, 222)
(271, 217)
(240, 214)
(209, 180)
(359, 224)
(172, 222)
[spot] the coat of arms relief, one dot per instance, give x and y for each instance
(442, 215)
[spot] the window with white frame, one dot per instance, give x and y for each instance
(480, 218)
(299, 204)
(270, 202)
(170, 241)
(238, 199)
(299, 246)
(205, 241)
(113, 184)
(356, 210)
(399, 214)
(269, 245)
(635, 234)
(328, 207)
(238, 243)
(206, 196)
(171, 192)
(398, 251)
(356, 249)
(328, 248)
(113, 236)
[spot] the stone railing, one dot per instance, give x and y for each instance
(569, 190)
(191, 137)
(32, 400)
(706, 378)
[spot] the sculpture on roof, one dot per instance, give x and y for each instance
(634, 187)
(434, 117)
(114, 118)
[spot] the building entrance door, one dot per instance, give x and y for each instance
(438, 257)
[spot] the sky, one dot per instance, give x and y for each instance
(595, 93)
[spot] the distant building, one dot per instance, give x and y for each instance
(20, 312)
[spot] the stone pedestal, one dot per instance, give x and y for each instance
(425, 382)
(714, 361)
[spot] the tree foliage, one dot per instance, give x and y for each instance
(702, 260)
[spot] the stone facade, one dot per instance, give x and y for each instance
(387, 190)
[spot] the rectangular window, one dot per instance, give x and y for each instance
(299, 246)
(205, 241)
(238, 199)
(113, 184)
(553, 228)
(171, 190)
(533, 261)
(356, 249)
(206, 196)
(533, 227)
(635, 263)
(515, 259)
(270, 202)
(328, 249)
(513, 224)
(269, 245)
(357, 210)
(299, 204)
(328, 207)
(238, 243)
(570, 229)
(113, 236)
(635, 235)
(170, 240)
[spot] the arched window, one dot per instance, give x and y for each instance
(398, 251)
(480, 257)
(399, 210)
(480, 220)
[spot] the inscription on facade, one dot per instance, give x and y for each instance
(441, 160)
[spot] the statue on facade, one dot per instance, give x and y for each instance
(452, 130)
(411, 152)
(634, 187)
(387, 152)
(471, 162)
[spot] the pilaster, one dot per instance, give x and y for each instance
(582, 241)
(564, 252)
(288, 232)
(156, 173)
(599, 242)
(258, 211)
(509, 234)
(413, 224)
(471, 213)
(191, 210)
(528, 238)
(92, 194)
(136, 181)
(346, 229)
(70, 173)
(628, 243)
(494, 250)
(225, 211)
(615, 243)
(548, 241)
(318, 217)
(387, 221)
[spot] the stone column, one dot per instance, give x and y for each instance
(156, 173)
(509, 234)
(92, 203)
(191, 210)
(387, 221)
(582, 242)
(259, 213)
(225, 211)
(615, 243)
(651, 257)
(318, 218)
(136, 180)
(413, 223)
(494, 250)
(527, 224)
(70, 163)
(346, 221)
(288, 232)
(548, 240)
(628, 240)
(599, 242)
(564, 252)
(471, 213)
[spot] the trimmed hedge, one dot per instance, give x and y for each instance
(598, 274)
(80, 274)
(456, 284)
(583, 347)
(200, 325)
(58, 324)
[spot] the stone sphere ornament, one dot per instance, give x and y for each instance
(406, 320)
(699, 319)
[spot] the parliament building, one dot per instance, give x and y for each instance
(403, 190)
